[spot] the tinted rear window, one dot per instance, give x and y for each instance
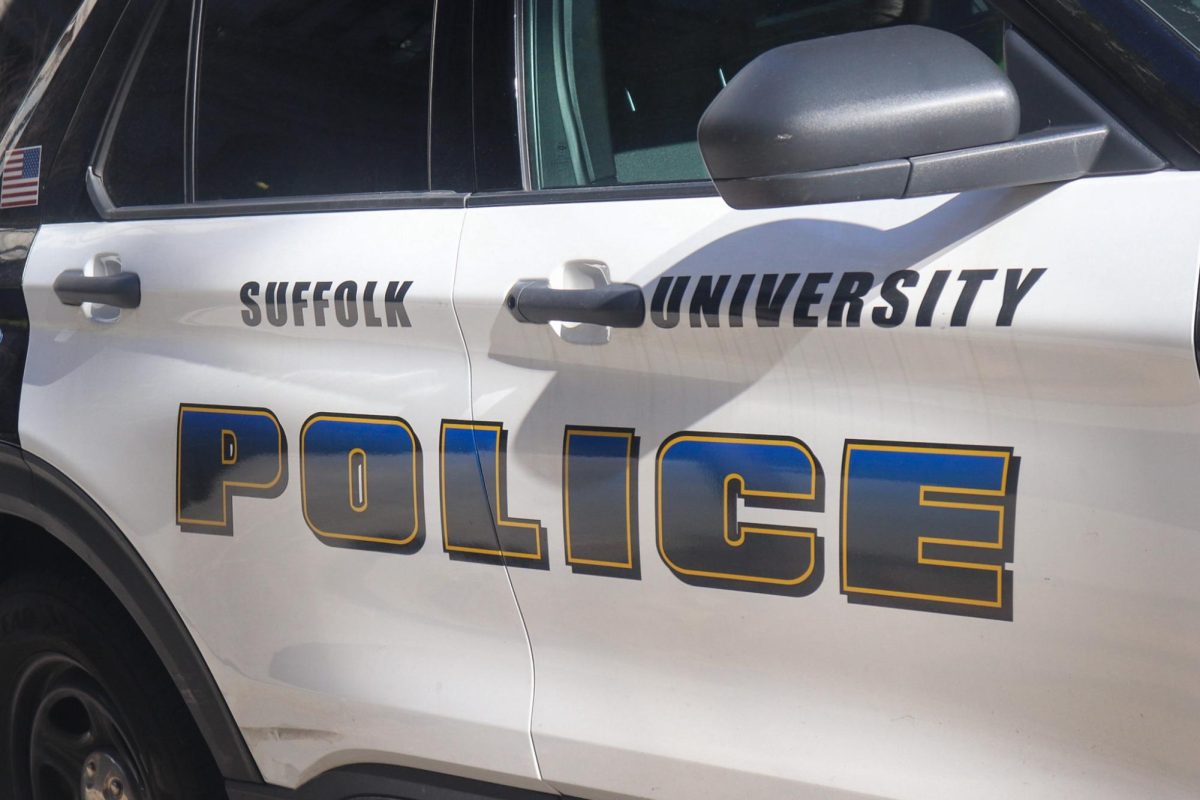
(312, 97)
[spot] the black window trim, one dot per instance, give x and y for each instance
(117, 106)
(367, 201)
(519, 92)
(191, 208)
(191, 92)
(1111, 86)
(677, 190)
(14, 128)
(451, 125)
(429, 105)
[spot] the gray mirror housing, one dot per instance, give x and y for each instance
(864, 97)
(887, 113)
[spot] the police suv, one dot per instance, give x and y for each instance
(609, 399)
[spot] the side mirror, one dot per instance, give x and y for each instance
(887, 113)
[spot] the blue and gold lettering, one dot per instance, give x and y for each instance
(928, 527)
(475, 521)
(600, 501)
(360, 482)
(702, 476)
(222, 452)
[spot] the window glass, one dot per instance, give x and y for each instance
(1182, 15)
(311, 97)
(616, 88)
(28, 30)
(144, 164)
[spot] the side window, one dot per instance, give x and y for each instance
(304, 97)
(144, 160)
(616, 88)
(1182, 15)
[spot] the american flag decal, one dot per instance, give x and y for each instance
(22, 171)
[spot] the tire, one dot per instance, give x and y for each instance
(85, 707)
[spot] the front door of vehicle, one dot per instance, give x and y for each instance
(261, 423)
(873, 501)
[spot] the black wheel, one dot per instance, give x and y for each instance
(86, 711)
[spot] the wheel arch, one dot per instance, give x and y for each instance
(48, 502)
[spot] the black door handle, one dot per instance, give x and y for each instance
(618, 305)
(123, 290)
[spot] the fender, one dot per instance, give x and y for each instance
(34, 491)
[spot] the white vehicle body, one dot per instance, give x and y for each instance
(1036, 343)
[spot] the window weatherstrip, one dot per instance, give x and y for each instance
(519, 94)
(191, 102)
(595, 194)
(433, 47)
(310, 204)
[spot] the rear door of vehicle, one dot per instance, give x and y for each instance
(882, 498)
(257, 412)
